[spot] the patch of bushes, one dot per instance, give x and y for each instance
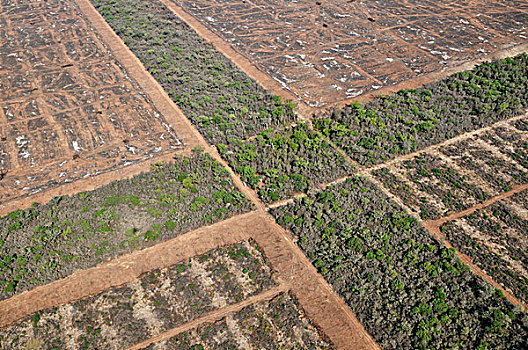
(51, 241)
(407, 289)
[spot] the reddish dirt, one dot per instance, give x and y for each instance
(293, 270)
(21, 195)
(240, 60)
(438, 223)
(291, 267)
(68, 109)
(213, 316)
(172, 113)
(125, 269)
(330, 51)
(85, 184)
(421, 80)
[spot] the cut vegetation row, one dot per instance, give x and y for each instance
(405, 287)
(279, 323)
(461, 174)
(495, 238)
(413, 119)
(51, 241)
(158, 301)
(220, 99)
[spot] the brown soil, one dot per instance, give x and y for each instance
(438, 223)
(335, 51)
(186, 132)
(68, 109)
(420, 81)
(85, 184)
(124, 269)
(213, 316)
(293, 269)
(447, 142)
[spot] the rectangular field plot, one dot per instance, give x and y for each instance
(495, 238)
(51, 241)
(461, 174)
(159, 300)
(279, 164)
(330, 51)
(67, 107)
(407, 289)
(279, 323)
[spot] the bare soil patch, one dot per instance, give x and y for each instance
(69, 109)
(329, 51)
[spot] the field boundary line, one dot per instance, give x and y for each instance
(450, 141)
(468, 261)
(183, 128)
(315, 295)
(87, 183)
(439, 222)
(213, 316)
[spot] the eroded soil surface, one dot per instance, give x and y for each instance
(329, 51)
(68, 109)
(279, 323)
(157, 301)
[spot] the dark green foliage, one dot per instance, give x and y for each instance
(407, 289)
(51, 241)
(281, 163)
(216, 95)
(413, 119)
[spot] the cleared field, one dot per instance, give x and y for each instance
(51, 241)
(214, 93)
(279, 323)
(407, 289)
(159, 300)
(279, 164)
(460, 174)
(329, 51)
(68, 109)
(495, 238)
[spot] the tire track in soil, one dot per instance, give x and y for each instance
(213, 316)
(190, 136)
(184, 130)
(315, 295)
(321, 304)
